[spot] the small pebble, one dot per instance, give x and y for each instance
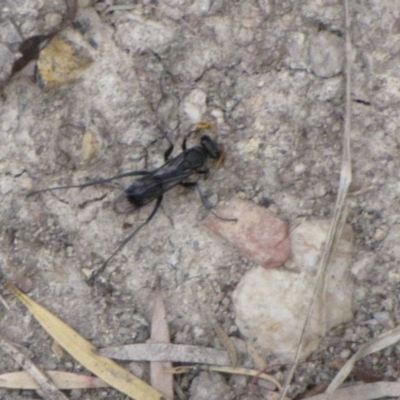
(380, 234)
(327, 55)
(258, 233)
(299, 169)
(270, 303)
(381, 316)
(195, 105)
(24, 283)
(345, 354)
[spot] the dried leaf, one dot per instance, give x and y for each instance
(167, 352)
(86, 354)
(161, 378)
(44, 383)
(62, 380)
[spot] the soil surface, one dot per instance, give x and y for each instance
(270, 75)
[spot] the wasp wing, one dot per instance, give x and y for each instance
(122, 205)
(149, 187)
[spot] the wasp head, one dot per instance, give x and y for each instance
(211, 147)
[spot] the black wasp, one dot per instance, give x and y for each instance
(153, 184)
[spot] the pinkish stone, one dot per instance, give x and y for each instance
(258, 233)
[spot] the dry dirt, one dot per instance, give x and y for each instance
(273, 71)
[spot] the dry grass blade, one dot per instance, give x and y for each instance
(227, 343)
(44, 383)
(86, 354)
(339, 216)
(3, 301)
(223, 337)
(228, 370)
(382, 341)
(274, 396)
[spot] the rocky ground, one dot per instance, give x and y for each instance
(270, 75)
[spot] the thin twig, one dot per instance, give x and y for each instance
(339, 215)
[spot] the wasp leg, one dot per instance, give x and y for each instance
(96, 273)
(169, 150)
(184, 145)
(207, 205)
(91, 183)
(202, 125)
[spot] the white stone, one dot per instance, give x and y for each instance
(327, 55)
(195, 105)
(300, 168)
(271, 304)
(89, 213)
(140, 34)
